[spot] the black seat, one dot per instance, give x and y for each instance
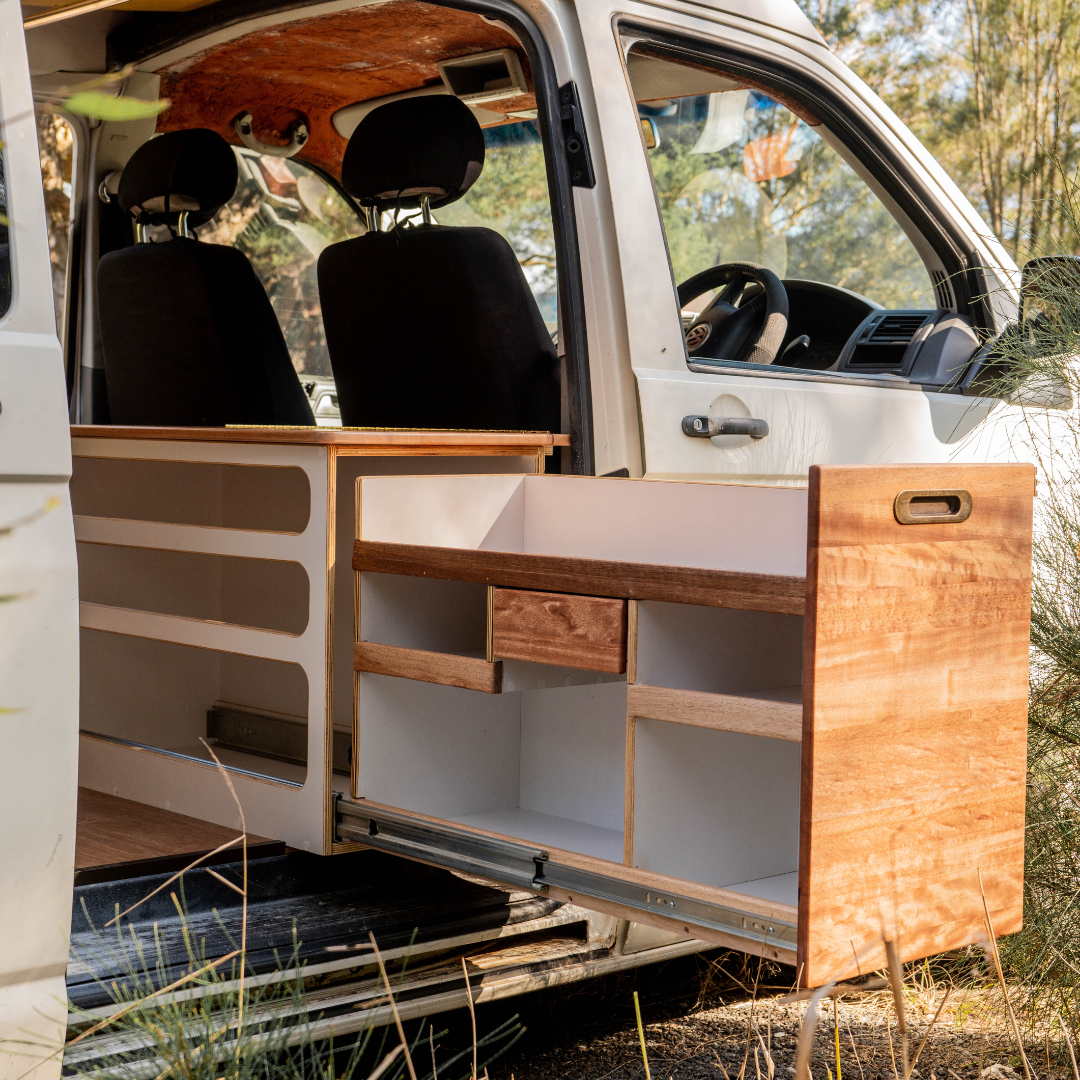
(431, 326)
(187, 332)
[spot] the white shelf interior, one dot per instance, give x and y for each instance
(716, 807)
(264, 498)
(551, 761)
(266, 594)
(718, 650)
(551, 831)
(157, 693)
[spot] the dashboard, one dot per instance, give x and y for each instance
(844, 332)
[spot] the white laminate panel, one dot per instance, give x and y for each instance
(718, 650)
(715, 807)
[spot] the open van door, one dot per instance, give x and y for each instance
(38, 603)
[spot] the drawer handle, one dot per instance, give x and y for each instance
(932, 507)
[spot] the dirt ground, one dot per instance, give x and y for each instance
(698, 1012)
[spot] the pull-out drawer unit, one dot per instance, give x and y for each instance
(790, 721)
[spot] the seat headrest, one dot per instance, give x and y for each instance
(418, 146)
(193, 170)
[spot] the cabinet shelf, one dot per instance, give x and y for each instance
(774, 714)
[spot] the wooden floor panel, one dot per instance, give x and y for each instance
(112, 830)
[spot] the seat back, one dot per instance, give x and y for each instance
(431, 326)
(188, 335)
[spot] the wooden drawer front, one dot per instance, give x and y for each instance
(586, 632)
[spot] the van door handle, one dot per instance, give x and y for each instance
(708, 427)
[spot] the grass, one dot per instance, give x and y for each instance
(221, 1021)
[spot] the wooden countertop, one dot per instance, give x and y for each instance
(384, 439)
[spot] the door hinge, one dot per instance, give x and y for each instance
(575, 142)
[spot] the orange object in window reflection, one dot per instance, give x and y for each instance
(766, 158)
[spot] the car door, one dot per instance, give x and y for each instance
(745, 163)
(38, 601)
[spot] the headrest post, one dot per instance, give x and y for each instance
(373, 216)
(141, 235)
(425, 208)
(182, 227)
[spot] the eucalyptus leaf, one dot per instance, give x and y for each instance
(106, 107)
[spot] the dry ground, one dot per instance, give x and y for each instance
(698, 1012)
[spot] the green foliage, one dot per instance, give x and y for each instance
(987, 86)
(1036, 364)
(101, 106)
(819, 222)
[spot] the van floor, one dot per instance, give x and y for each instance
(118, 838)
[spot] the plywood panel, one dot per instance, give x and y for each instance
(596, 577)
(586, 632)
(914, 739)
(447, 669)
(769, 714)
(114, 830)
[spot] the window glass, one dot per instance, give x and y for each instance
(281, 217)
(511, 197)
(740, 178)
(56, 149)
(5, 246)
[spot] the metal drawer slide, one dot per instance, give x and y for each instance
(525, 866)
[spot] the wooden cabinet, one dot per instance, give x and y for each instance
(212, 608)
(791, 721)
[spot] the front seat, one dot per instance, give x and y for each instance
(431, 326)
(187, 332)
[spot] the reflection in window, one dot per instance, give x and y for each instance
(56, 149)
(511, 197)
(741, 178)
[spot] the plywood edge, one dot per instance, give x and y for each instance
(401, 440)
(778, 593)
(446, 669)
(721, 712)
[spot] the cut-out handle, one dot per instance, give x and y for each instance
(932, 507)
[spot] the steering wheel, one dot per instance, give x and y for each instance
(752, 332)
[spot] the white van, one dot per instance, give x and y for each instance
(718, 256)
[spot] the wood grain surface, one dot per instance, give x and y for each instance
(583, 632)
(596, 577)
(723, 712)
(447, 669)
(915, 713)
(114, 830)
(482, 442)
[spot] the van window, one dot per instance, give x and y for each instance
(281, 216)
(511, 198)
(56, 150)
(5, 246)
(740, 178)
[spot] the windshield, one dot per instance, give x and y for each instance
(740, 178)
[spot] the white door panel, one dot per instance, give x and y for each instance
(39, 666)
(810, 422)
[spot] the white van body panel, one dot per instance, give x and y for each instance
(39, 660)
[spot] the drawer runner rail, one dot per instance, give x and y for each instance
(529, 867)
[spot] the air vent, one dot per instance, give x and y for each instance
(894, 329)
(885, 339)
(942, 289)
